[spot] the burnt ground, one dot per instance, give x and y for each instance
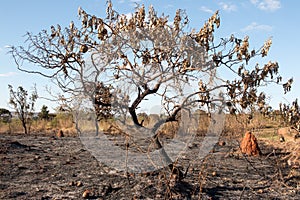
(44, 167)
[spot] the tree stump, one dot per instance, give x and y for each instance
(249, 145)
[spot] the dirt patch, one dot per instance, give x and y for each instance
(43, 167)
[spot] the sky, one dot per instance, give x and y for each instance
(259, 19)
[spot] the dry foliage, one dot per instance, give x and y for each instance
(144, 55)
(293, 159)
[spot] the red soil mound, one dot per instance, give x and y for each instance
(249, 145)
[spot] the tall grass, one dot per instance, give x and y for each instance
(62, 121)
(234, 125)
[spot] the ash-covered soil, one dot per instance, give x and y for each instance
(44, 167)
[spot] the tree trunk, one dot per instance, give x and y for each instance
(25, 127)
(174, 170)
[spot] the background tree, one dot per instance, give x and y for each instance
(44, 114)
(146, 55)
(5, 115)
(290, 114)
(23, 104)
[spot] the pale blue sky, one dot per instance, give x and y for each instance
(260, 19)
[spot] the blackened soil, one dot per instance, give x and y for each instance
(41, 167)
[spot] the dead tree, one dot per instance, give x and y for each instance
(146, 54)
